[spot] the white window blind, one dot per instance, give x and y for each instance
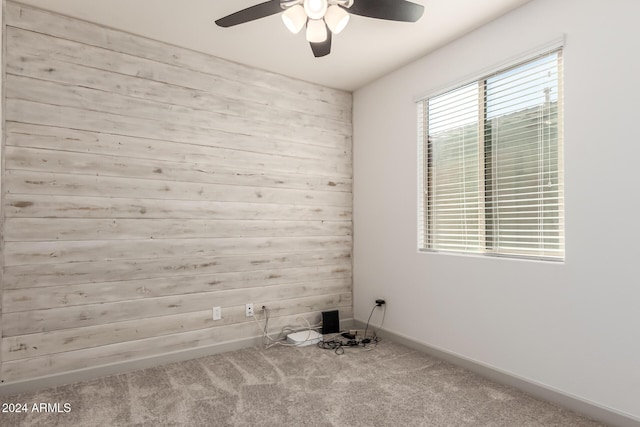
(490, 159)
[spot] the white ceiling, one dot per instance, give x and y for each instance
(365, 50)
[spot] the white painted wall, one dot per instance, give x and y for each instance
(574, 327)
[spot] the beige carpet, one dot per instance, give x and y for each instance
(390, 385)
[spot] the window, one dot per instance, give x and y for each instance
(491, 178)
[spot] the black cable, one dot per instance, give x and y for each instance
(339, 345)
(266, 317)
(367, 327)
(266, 325)
(335, 345)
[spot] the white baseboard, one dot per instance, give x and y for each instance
(590, 409)
(87, 374)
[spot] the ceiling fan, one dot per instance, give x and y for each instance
(323, 18)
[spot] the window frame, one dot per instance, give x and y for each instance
(425, 151)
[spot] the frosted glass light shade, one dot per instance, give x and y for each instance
(294, 18)
(336, 18)
(316, 31)
(315, 9)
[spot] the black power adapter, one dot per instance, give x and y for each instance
(380, 302)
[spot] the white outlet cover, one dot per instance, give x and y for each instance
(217, 313)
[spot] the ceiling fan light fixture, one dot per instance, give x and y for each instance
(315, 9)
(323, 18)
(294, 18)
(336, 18)
(316, 31)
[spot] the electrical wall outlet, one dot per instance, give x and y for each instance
(217, 313)
(248, 310)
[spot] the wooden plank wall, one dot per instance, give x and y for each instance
(145, 184)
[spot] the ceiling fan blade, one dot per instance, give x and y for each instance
(392, 10)
(251, 13)
(323, 48)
